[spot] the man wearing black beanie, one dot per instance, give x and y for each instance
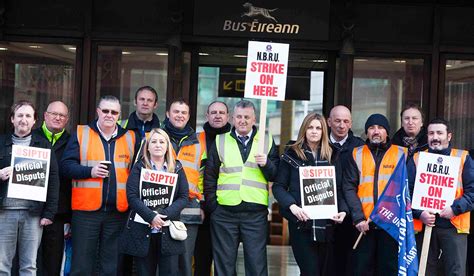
(366, 174)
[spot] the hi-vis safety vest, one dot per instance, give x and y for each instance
(239, 181)
(462, 221)
(87, 193)
(190, 157)
(368, 176)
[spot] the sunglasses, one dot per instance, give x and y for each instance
(107, 111)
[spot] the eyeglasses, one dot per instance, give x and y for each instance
(107, 111)
(56, 115)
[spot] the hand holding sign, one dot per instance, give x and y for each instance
(447, 213)
(428, 218)
(261, 159)
(339, 217)
(299, 213)
(99, 171)
(6, 172)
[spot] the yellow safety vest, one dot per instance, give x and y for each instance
(239, 181)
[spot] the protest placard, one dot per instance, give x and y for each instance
(156, 190)
(318, 191)
(436, 181)
(29, 179)
(267, 69)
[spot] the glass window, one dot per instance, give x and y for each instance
(222, 68)
(39, 73)
(459, 100)
(122, 70)
(384, 85)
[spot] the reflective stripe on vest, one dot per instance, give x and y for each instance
(123, 123)
(461, 222)
(367, 175)
(87, 193)
(190, 157)
(240, 181)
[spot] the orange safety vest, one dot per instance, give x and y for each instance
(367, 174)
(190, 157)
(87, 193)
(461, 222)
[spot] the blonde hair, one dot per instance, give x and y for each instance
(325, 148)
(171, 163)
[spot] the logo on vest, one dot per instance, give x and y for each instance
(124, 156)
(188, 154)
(388, 166)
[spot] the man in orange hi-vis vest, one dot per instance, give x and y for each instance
(365, 175)
(451, 225)
(99, 200)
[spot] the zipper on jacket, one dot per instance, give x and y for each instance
(376, 175)
(108, 180)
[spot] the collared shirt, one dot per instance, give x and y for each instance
(52, 137)
(248, 135)
(105, 136)
(340, 142)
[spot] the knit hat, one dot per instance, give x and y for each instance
(377, 119)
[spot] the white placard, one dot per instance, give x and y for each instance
(318, 191)
(267, 68)
(436, 181)
(156, 190)
(29, 179)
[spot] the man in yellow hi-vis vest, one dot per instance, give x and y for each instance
(365, 175)
(99, 199)
(451, 226)
(236, 193)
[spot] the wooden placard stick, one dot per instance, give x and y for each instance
(424, 250)
(262, 126)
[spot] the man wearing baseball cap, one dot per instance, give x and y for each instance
(366, 174)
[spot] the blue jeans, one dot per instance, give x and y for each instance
(19, 231)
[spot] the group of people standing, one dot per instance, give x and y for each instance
(222, 191)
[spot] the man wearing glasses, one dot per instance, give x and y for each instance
(98, 158)
(53, 129)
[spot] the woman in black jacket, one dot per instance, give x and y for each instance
(312, 249)
(157, 156)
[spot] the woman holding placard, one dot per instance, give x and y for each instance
(150, 240)
(22, 220)
(311, 240)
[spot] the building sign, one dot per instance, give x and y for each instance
(267, 68)
(273, 19)
(436, 181)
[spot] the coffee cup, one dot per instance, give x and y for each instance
(108, 164)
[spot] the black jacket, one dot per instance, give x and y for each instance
(134, 123)
(64, 200)
(72, 168)
(350, 181)
(173, 211)
(286, 188)
(422, 141)
(46, 209)
(212, 174)
(339, 154)
(460, 205)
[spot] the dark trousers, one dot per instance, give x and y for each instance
(376, 254)
(227, 229)
(454, 252)
(203, 249)
(345, 237)
(313, 258)
(470, 248)
(50, 255)
(95, 241)
(167, 265)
